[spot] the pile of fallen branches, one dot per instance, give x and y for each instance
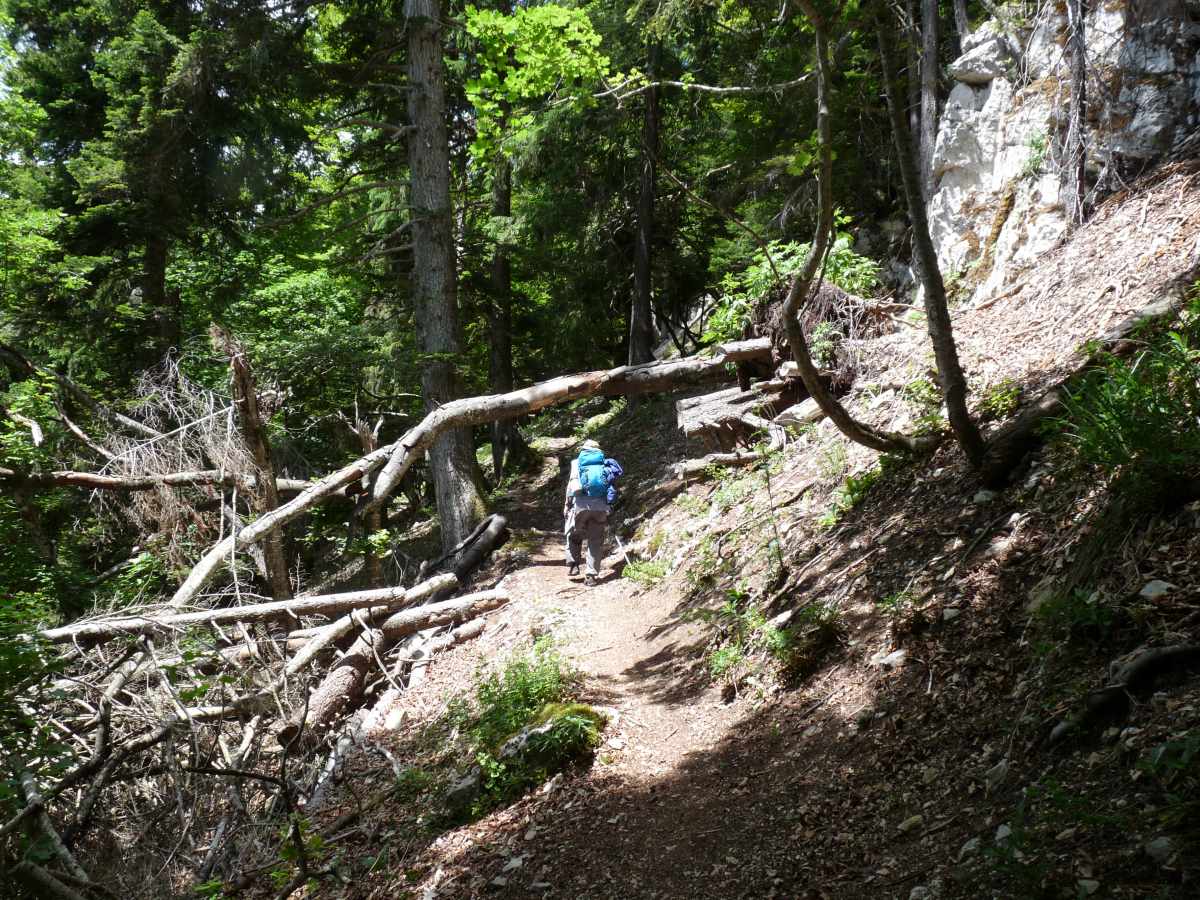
(198, 731)
(196, 727)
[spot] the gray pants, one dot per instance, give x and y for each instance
(586, 523)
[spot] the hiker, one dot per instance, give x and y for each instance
(590, 496)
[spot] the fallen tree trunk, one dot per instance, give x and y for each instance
(695, 468)
(743, 351)
(383, 717)
(720, 418)
(396, 458)
(343, 685)
(324, 605)
(96, 481)
(698, 468)
(490, 537)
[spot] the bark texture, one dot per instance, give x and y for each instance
(797, 295)
(929, 93)
(1074, 170)
(937, 313)
(324, 604)
(163, 305)
(434, 287)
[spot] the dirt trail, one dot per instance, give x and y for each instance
(633, 645)
(593, 834)
(630, 645)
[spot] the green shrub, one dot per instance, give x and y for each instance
(531, 691)
(1001, 400)
(509, 699)
(926, 400)
(742, 291)
(897, 604)
(1078, 614)
(1141, 416)
(833, 460)
(815, 630)
(823, 344)
(1037, 156)
(744, 635)
(647, 571)
(849, 494)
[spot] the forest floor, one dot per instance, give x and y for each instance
(899, 747)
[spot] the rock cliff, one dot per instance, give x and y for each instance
(996, 204)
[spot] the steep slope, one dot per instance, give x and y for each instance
(897, 745)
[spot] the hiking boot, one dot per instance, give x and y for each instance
(589, 580)
(573, 570)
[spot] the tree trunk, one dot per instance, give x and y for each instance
(380, 600)
(250, 421)
(500, 361)
(929, 92)
(1074, 169)
(434, 288)
(913, 73)
(163, 306)
(797, 295)
(962, 22)
(641, 324)
(937, 314)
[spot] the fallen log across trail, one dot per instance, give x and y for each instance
(398, 457)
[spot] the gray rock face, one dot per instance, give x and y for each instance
(996, 207)
(984, 62)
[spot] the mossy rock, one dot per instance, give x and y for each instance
(558, 734)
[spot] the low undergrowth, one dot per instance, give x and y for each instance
(745, 644)
(522, 725)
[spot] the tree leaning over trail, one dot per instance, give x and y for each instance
(434, 275)
(396, 458)
(937, 313)
(798, 292)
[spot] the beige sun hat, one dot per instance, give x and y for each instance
(589, 444)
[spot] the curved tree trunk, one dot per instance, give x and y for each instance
(858, 432)
(937, 313)
(434, 288)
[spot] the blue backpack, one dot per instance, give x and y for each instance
(592, 479)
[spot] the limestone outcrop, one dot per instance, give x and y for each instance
(996, 204)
